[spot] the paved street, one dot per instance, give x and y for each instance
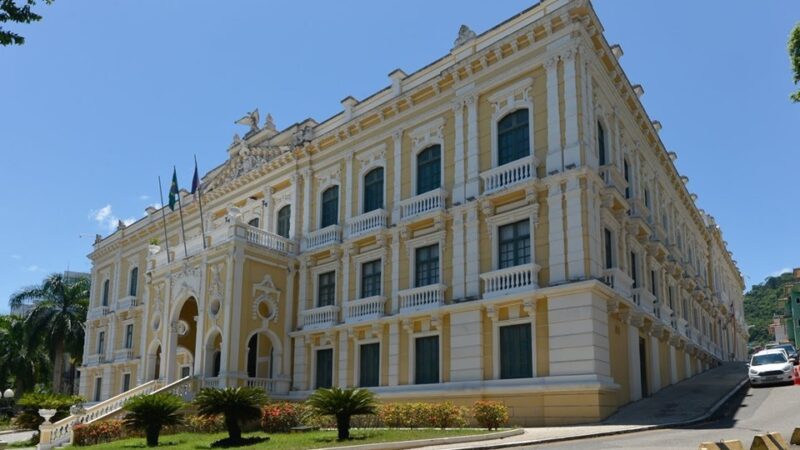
(752, 412)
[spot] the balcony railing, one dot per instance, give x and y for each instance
(510, 280)
(422, 203)
(125, 354)
(367, 223)
(322, 238)
(95, 359)
(127, 303)
(423, 297)
(271, 385)
(501, 177)
(613, 178)
(364, 309)
(96, 313)
(322, 317)
(619, 281)
(265, 239)
(644, 299)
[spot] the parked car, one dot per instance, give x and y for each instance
(769, 367)
(791, 352)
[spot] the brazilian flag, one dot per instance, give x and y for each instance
(173, 190)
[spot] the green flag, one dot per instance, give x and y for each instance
(173, 190)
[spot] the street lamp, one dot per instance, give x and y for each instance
(8, 393)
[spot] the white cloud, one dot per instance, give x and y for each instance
(106, 219)
(15, 256)
(101, 214)
(128, 221)
(780, 272)
(32, 268)
(144, 197)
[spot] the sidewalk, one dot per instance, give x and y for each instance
(689, 401)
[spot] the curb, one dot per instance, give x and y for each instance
(399, 445)
(683, 423)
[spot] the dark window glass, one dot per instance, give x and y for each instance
(134, 281)
(254, 222)
(330, 207)
(426, 265)
(627, 173)
(186, 371)
(426, 360)
(601, 144)
(634, 271)
(129, 336)
(429, 169)
(324, 368)
(369, 364)
(106, 287)
(98, 388)
(326, 289)
(515, 244)
(284, 216)
(671, 293)
(252, 355)
(126, 382)
(371, 278)
(217, 364)
(101, 342)
(373, 190)
(516, 357)
(653, 282)
(513, 137)
(609, 245)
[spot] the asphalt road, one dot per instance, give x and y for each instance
(752, 411)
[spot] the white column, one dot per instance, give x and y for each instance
(458, 181)
(302, 292)
(143, 327)
(269, 213)
(171, 370)
(345, 275)
(459, 262)
(572, 154)
(555, 218)
(576, 257)
(655, 365)
(473, 177)
(287, 323)
(466, 349)
(394, 353)
(473, 283)
(350, 186)
(299, 376)
(344, 337)
(673, 366)
(578, 334)
(105, 389)
(555, 157)
(308, 181)
(397, 175)
(634, 363)
(293, 231)
(394, 301)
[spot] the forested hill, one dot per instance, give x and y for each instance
(761, 303)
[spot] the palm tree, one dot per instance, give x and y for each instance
(151, 413)
(236, 404)
(342, 404)
(21, 358)
(60, 312)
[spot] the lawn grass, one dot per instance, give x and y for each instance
(286, 441)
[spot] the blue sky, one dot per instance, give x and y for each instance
(106, 96)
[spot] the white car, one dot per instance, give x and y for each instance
(770, 366)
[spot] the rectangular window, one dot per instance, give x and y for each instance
(324, 378)
(371, 279)
(126, 382)
(627, 174)
(98, 388)
(101, 342)
(186, 371)
(129, 336)
(647, 197)
(326, 289)
(609, 246)
(429, 169)
(634, 271)
(653, 282)
(330, 207)
(426, 265)
(671, 293)
(369, 365)
(513, 138)
(515, 244)
(516, 356)
(426, 360)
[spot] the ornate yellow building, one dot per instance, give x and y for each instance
(504, 223)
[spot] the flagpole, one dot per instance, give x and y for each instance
(163, 217)
(200, 202)
(180, 212)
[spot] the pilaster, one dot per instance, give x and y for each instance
(555, 218)
(394, 354)
(473, 176)
(572, 156)
(397, 176)
(459, 160)
(473, 283)
(555, 157)
(343, 351)
(576, 257)
(466, 346)
(459, 261)
(578, 334)
(308, 181)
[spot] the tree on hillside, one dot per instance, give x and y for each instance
(21, 358)
(761, 303)
(794, 57)
(10, 11)
(58, 315)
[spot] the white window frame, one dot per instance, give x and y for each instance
(278, 202)
(133, 338)
(423, 241)
(600, 119)
(334, 356)
(506, 218)
(372, 255)
(505, 102)
(496, 325)
(130, 382)
(130, 281)
(322, 190)
(97, 342)
(422, 138)
(316, 271)
(367, 160)
(357, 360)
(412, 355)
(98, 389)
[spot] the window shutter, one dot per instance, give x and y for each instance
(516, 351)
(324, 368)
(426, 367)
(369, 365)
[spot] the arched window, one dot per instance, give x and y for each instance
(134, 282)
(330, 207)
(284, 214)
(429, 169)
(601, 144)
(373, 190)
(106, 287)
(513, 138)
(254, 222)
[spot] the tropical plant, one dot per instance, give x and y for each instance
(10, 11)
(342, 404)
(22, 356)
(236, 404)
(794, 58)
(58, 316)
(30, 404)
(282, 417)
(490, 414)
(151, 413)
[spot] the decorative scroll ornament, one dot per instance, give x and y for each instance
(465, 34)
(243, 159)
(265, 305)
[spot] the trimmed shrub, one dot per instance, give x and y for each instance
(282, 417)
(489, 414)
(98, 432)
(204, 424)
(31, 403)
(447, 415)
(422, 415)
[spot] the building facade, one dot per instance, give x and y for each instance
(504, 223)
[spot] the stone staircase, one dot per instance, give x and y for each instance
(57, 434)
